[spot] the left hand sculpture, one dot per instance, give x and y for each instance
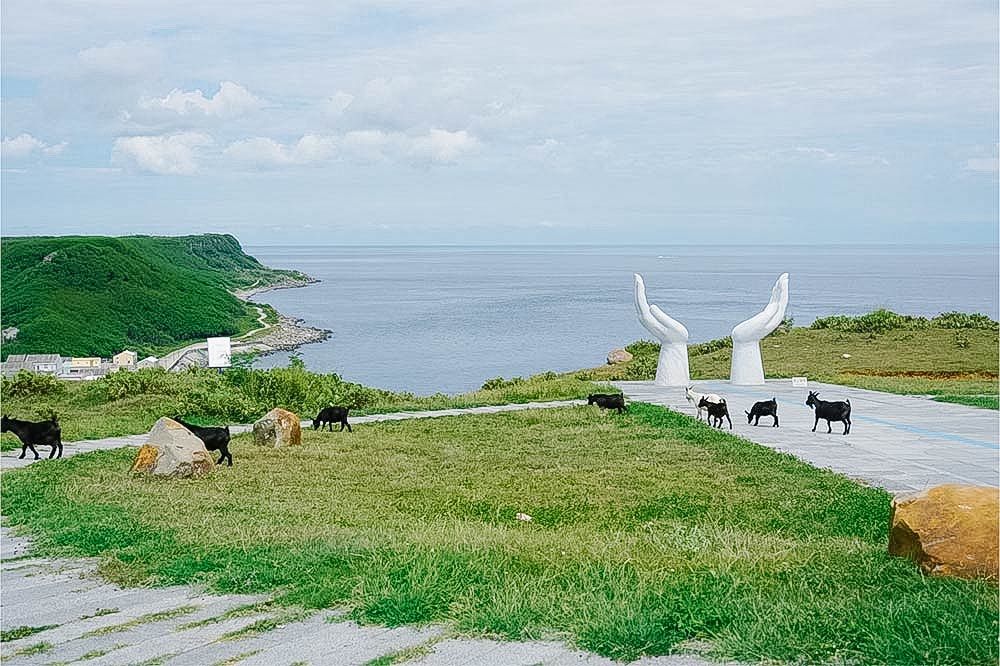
(672, 368)
(747, 367)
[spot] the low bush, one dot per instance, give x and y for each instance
(883, 321)
(27, 384)
(500, 382)
(965, 320)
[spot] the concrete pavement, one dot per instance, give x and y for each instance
(897, 442)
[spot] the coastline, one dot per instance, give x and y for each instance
(289, 333)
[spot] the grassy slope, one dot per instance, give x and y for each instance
(99, 295)
(129, 403)
(649, 530)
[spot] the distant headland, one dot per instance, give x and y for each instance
(95, 296)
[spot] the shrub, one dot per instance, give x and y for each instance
(883, 320)
(879, 321)
(643, 348)
(964, 320)
(710, 346)
(26, 384)
(500, 382)
(125, 384)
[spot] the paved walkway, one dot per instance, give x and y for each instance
(102, 624)
(900, 443)
(105, 625)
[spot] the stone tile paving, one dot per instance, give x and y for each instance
(68, 594)
(900, 443)
(102, 624)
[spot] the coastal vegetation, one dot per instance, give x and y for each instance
(95, 296)
(952, 357)
(650, 533)
(124, 402)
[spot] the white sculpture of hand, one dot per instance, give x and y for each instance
(747, 367)
(672, 368)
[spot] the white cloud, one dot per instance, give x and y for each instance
(231, 101)
(121, 59)
(25, 144)
(174, 154)
(444, 146)
(437, 146)
(262, 151)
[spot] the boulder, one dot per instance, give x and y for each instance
(616, 356)
(948, 530)
(172, 451)
(278, 428)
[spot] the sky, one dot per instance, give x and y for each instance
(449, 122)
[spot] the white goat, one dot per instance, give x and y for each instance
(695, 398)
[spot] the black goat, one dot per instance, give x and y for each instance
(716, 410)
(831, 411)
(215, 439)
(330, 415)
(608, 401)
(45, 433)
(763, 408)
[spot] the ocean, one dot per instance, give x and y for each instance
(445, 319)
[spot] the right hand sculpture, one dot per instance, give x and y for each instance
(747, 367)
(672, 368)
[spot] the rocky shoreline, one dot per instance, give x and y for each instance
(288, 283)
(289, 333)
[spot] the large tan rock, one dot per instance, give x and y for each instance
(172, 451)
(948, 530)
(617, 356)
(278, 428)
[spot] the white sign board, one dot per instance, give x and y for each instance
(218, 352)
(800, 381)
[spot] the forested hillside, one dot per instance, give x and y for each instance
(93, 295)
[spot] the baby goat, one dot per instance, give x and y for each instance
(45, 433)
(764, 408)
(215, 439)
(696, 398)
(330, 415)
(716, 410)
(608, 401)
(831, 411)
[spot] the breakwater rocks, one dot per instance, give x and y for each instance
(288, 334)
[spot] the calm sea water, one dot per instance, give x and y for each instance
(445, 319)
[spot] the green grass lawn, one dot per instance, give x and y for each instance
(651, 533)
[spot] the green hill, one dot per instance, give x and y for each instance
(94, 295)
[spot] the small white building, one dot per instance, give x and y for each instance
(148, 362)
(45, 364)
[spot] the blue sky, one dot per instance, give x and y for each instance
(516, 122)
